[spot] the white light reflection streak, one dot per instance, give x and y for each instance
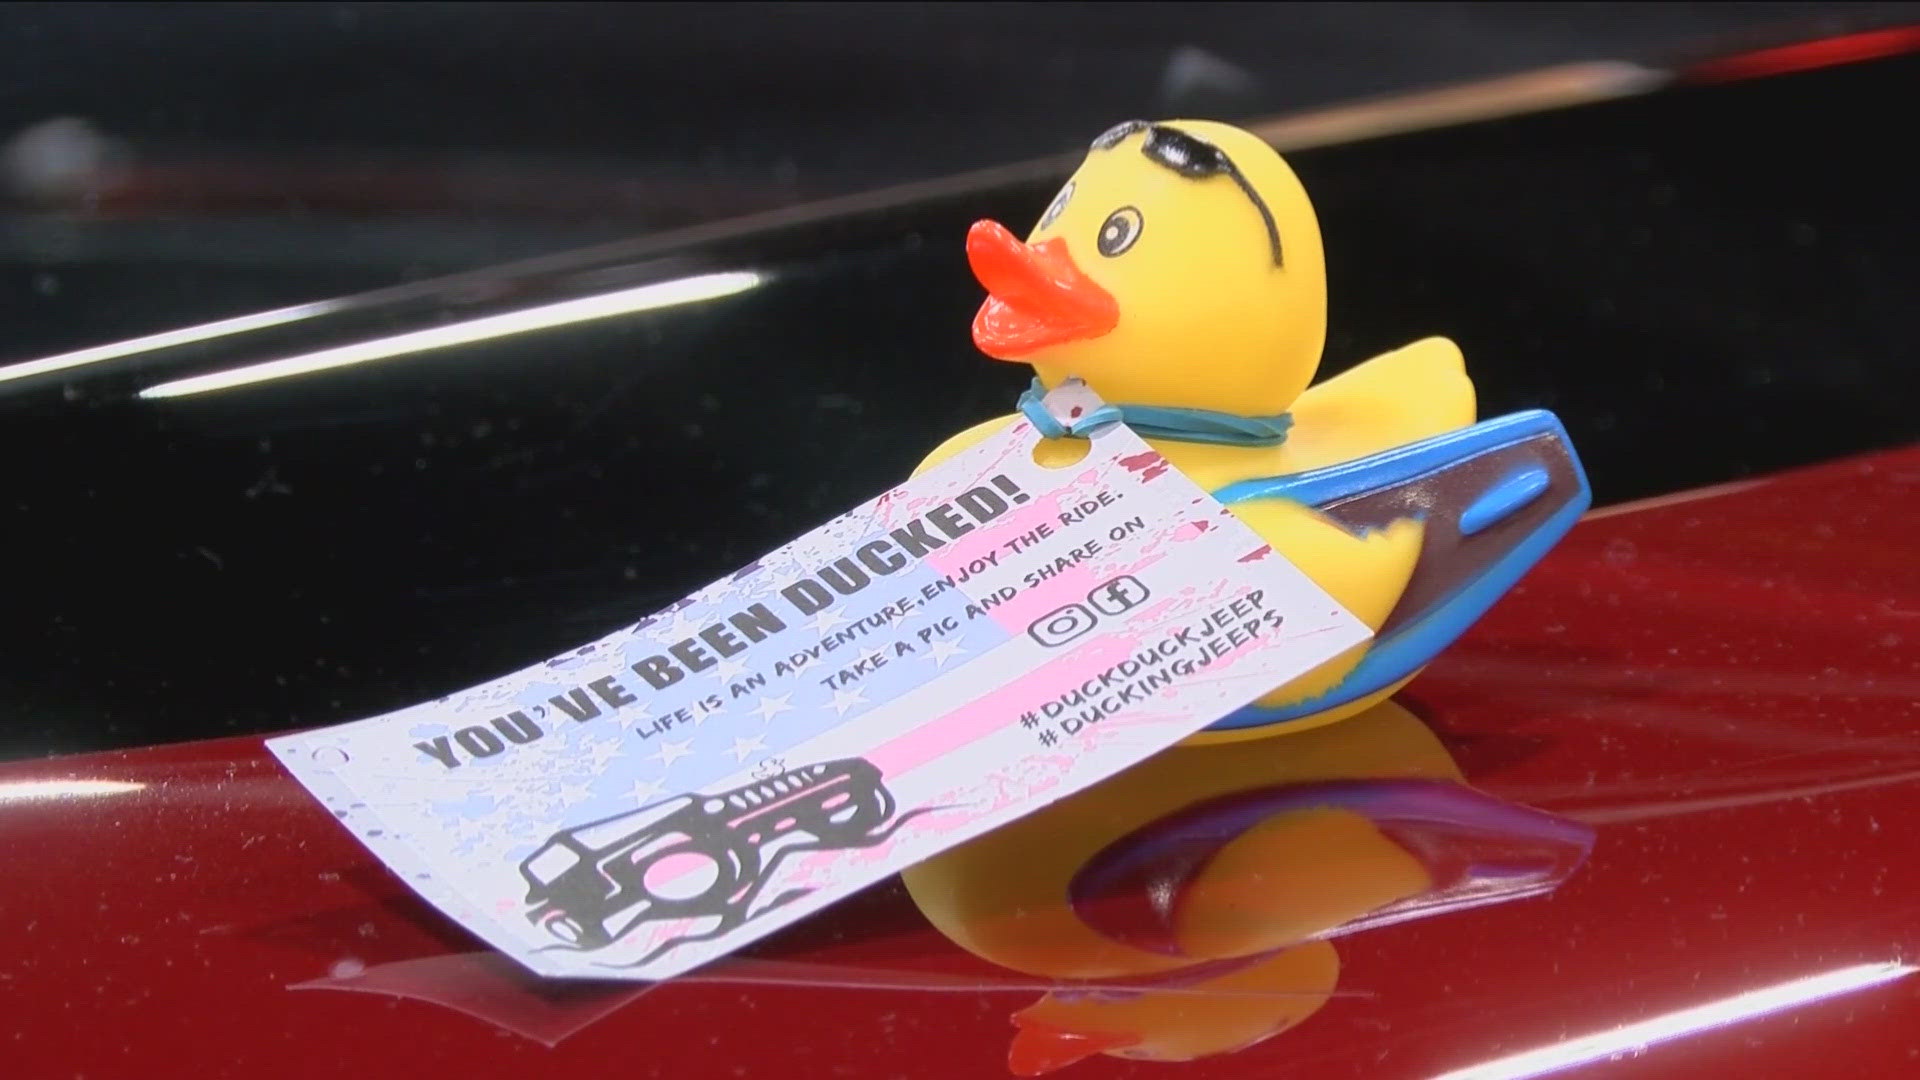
(152, 342)
(1636, 1037)
(660, 294)
(24, 790)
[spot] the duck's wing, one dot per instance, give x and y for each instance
(1403, 396)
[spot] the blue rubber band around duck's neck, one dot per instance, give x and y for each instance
(1159, 422)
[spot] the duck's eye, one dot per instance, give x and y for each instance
(1057, 206)
(1119, 231)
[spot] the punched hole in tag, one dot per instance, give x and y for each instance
(1061, 443)
(1060, 453)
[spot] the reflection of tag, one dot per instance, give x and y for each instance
(969, 646)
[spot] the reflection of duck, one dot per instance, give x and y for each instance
(1180, 269)
(1207, 875)
(1229, 1012)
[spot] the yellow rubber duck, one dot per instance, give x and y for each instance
(1181, 266)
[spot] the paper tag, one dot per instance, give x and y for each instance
(980, 641)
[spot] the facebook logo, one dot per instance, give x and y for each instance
(1117, 595)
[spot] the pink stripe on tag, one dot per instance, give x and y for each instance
(1070, 586)
(1041, 510)
(1002, 707)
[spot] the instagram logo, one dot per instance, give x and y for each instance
(1061, 625)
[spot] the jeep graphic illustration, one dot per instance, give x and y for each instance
(701, 856)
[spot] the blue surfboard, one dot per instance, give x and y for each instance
(1495, 497)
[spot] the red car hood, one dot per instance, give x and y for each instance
(1724, 683)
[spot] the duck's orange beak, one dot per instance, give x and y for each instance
(1037, 296)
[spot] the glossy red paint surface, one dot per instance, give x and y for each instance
(1724, 684)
